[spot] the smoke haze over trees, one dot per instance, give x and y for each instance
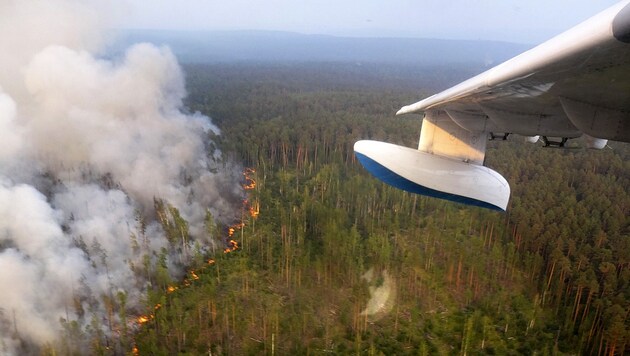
(86, 145)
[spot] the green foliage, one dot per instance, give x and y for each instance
(552, 276)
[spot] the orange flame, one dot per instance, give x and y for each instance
(232, 246)
(254, 210)
(232, 229)
(171, 289)
(194, 275)
(144, 319)
(250, 183)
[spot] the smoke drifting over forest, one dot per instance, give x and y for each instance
(86, 144)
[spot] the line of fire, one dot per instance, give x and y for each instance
(252, 209)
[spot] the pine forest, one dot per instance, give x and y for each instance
(326, 259)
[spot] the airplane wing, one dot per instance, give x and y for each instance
(576, 84)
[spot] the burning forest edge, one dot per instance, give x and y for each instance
(88, 142)
(248, 209)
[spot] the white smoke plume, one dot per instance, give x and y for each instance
(86, 144)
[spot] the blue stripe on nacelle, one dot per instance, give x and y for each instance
(395, 180)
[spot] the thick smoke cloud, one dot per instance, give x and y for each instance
(86, 144)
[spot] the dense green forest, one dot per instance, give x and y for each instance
(550, 276)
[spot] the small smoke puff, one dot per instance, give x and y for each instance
(382, 295)
(37, 261)
(28, 220)
(154, 77)
(145, 83)
(10, 135)
(18, 272)
(27, 26)
(106, 218)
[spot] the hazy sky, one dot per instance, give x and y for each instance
(510, 20)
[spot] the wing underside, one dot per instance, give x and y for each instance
(576, 84)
